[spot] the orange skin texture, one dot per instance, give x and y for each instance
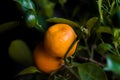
(58, 38)
(45, 62)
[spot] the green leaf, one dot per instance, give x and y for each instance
(116, 36)
(64, 21)
(104, 29)
(116, 32)
(103, 47)
(8, 26)
(113, 63)
(28, 70)
(90, 71)
(91, 23)
(19, 52)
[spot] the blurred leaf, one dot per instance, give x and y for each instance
(8, 26)
(28, 70)
(64, 21)
(104, 29)
(19, 51)
(116, 34)
(113, 63)
(90, 23)
(45, 7)
(62, 2)
(103, 47)
(80, 47)
(26, 4)
(49, 9)
(90, 71)
(41, 3)
(76, 11)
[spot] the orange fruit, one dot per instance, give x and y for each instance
(44, 62)
(58, 38)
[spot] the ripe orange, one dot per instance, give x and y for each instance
(58, 38)
(45, 62)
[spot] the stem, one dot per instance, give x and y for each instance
(39, 27)
(88, 50)
(92, 53)
(112, 6)
(113, 52)
(116, 2)
(91, 60)
(100, 10)
(108, 3)
(116, 49)
(72, 71)
(105, 9)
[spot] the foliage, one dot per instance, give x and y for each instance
(98, 51)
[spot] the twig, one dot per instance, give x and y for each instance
(91, 60)
(72, 71)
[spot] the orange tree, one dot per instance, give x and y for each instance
(66, 39)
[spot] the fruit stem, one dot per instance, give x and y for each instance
(39, 27)
(65, 57)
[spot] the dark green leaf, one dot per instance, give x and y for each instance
(104, 29)
(28, 70)
(64, 21)
(90, 23)
(8, 26)
(103, 47)
(19, 51)
(113, 63)
(90, 71)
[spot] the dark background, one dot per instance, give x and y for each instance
(8, 68)
(9, 12)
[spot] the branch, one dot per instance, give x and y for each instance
(91, 60)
